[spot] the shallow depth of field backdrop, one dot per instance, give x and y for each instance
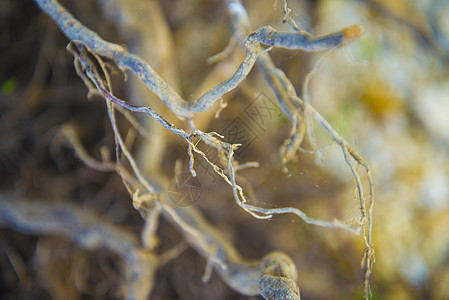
(389, 98)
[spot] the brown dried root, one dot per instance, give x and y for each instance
(87, 230)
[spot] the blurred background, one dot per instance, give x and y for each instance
(387, 94)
